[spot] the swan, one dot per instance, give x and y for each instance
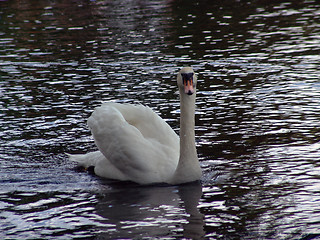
(136, 144)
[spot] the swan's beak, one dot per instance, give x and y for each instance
(188, 83)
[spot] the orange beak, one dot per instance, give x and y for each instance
(188, 83)
(188, 86)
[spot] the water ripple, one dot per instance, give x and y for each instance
(257, 115)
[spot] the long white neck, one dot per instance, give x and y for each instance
(188, 168)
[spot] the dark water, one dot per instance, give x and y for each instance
(258, 116)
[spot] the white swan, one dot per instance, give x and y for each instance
(135, 144)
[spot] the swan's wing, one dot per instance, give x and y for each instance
(136, 141)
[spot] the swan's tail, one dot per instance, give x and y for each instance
(86, 160)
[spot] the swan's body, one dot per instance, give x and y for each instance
(135, 144)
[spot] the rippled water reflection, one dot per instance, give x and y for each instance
(257, 116)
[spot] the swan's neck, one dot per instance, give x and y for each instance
(188, 168)
(187, 136)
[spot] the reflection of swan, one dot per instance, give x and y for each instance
(137, 212)
(136, 144)
(190, 195)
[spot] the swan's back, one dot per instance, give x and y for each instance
(135, 141)
(146, 121)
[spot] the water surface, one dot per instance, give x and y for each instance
(257, 119)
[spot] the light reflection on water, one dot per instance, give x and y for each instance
(257, 122)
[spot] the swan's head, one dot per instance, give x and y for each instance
(187, 80)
